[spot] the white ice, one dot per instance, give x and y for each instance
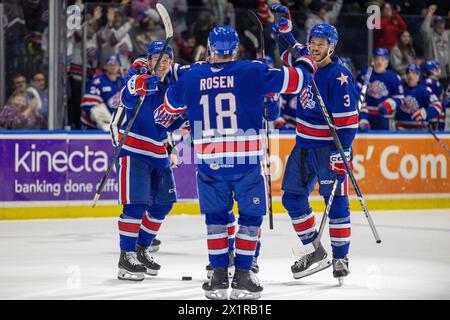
(77, 259)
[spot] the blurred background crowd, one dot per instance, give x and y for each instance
(413, 32)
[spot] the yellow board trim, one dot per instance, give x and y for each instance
(193, 208)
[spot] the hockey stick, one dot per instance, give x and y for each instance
(169, 35)
(286, 45)
(325, 214)
(362, 95)
(262, 54)
(438, 140)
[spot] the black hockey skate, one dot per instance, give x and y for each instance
(311, 263)
(255, 267)
(130, 268)
(209, 268)
(340, 269)
(245, 286)
(144, 257)
(154, 246)
(217, 286)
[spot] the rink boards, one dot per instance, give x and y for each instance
(55, 174)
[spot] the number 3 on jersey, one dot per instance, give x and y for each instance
(220, 100)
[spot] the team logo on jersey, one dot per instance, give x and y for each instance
(409, 104)
(214, 166)
(306, 97)
(377, 89)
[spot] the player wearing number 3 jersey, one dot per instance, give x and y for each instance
(224, 103)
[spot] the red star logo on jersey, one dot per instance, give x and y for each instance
(343, 79)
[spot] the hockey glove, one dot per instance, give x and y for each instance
(279, 123)
(337, 164)
(285, 23)
(385, 108)
(143, 85)
(419, 115)
(364, 125)
(307, 63)
(140, 66)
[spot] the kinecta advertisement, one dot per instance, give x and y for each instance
(45, 167)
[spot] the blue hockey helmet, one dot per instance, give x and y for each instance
(381, 52)
(157, 46)
(223, 40)
(325, 31)
(412, 68)
(431, 65)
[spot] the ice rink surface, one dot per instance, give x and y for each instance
(77, 259)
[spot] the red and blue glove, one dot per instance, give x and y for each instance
(337, 164)
(143, 85)
(419, 115)
(386, 107)
(140, 65)
(285, 23)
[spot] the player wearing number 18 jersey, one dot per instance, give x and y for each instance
(224, 104)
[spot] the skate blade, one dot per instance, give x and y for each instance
(151, 272)
(341, 281)
(239, 294)
(130, 276)
(219, 294)
(321, 265)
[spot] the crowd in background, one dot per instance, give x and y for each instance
(124, 28)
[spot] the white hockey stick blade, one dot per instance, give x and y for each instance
(165, 19)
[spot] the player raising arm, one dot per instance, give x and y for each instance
(224, 103)
(314, 157)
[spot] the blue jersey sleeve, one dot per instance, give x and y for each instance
(286, 80)
(343, 106)
(433, 106)
(396, 92)
(174, 102)
(285, 56)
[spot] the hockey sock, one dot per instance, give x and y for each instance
(151, 222)
(216, 226)
(247, 240)
(339, 226)
(302, 216)
(231, 226)
(129, 224)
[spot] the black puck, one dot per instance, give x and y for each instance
(186, 278)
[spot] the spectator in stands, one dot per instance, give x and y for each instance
(19, 82)
(114, 38)
(391, 25)
(437, 41)
(139, 6)
(201, 27)
(38, 91)
(18, 114)
(75, 61)
(320, 14)
(147, 30)
(402, 53)
(15, 32)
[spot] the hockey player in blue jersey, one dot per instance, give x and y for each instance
(433, 72)
(420, 104)
(146, 184)
(315, 157)
(384, 94)
(224, 103)
(102, 96)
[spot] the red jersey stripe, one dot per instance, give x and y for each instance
(345, 121)
(245, 244)
(293, 80)
(313, 132)
(141, 144)
(129, 227)
(308, 224)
